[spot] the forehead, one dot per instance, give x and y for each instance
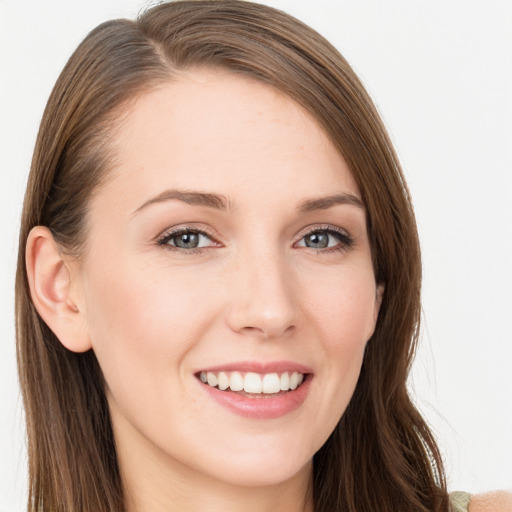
(220, 132)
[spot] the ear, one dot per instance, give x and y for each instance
(50, 287)
(379, 293)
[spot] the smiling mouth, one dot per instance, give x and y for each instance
(253, 384)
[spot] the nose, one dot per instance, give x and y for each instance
(262, 302)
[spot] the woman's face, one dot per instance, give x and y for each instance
(228, 244)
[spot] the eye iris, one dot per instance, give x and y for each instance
(187, 240)
(317, 240)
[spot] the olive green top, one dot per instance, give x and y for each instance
(460, 501)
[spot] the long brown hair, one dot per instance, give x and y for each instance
(381, 456)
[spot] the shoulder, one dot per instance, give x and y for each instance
(496, 501)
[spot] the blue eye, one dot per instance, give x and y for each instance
(318, 240)
(187, 239)
(326, 239)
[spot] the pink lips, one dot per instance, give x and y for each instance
(261, 406)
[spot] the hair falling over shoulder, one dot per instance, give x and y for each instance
(382, 455)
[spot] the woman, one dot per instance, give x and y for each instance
(218, 281)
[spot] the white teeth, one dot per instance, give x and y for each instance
(285, 381)
(223, 381)
(271, 383)
(294, 380)
(236, 382)
(254, 383)
(212, 379)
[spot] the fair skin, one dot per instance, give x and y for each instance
(282, 280)
(497, 501)
(228, 237)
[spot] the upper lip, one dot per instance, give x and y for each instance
(259, 367)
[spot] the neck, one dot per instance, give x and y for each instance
(164, 490)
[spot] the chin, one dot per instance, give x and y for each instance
(261, 460)
(272, 473)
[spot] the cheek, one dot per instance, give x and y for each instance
(345, 308)
(142, 321)
(345, 320)
(143, 324)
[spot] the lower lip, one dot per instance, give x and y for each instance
(261, 408)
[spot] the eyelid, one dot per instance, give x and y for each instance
(322, 227)
(346, 240)
(169, 233)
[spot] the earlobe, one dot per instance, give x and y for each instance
(50, 287)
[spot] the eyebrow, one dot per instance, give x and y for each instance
(220, 202)
(209, 200)
(323, 203)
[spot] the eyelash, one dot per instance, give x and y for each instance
(164, 239)
(345, 240)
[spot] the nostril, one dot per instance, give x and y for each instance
(267, 331)
(252, 329)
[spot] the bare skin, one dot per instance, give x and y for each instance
(495, 501)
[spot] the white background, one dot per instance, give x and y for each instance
(441, 74)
